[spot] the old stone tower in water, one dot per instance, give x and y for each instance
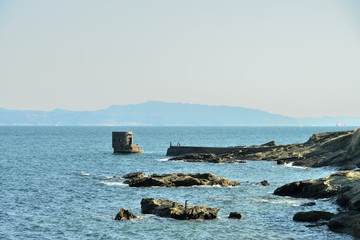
(122, 142)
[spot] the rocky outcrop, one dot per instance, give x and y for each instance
(346, 222)
(124, 215)
(168, 208)
(133, 175)
(326, 187)
(344, 185)
(179, 180)
(264, 183)
(312, 216)
(341, 149)
(235, 215)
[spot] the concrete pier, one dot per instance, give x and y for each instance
(180, 150)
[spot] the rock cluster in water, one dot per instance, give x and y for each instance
(341, 149)
(176, 210)
(344, 185)
(177, 180)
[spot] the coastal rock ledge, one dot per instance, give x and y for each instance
(344, 185)
(347, 181)
(179, 180)
(340, 149)
(168, 208)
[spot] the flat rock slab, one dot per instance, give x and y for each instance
(179, 180)
(312, 216)
(325, 187)
(171, 209)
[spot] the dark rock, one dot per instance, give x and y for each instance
(134, 175)
(264, 183)
(307, 189)
(235, 215)
(124, 215)
(282, 162)
(180, 180)
(312, 216)
(241, 161)
(347, 167)
(167, 208)
(270, 144)
(308, 204)
(346, 222)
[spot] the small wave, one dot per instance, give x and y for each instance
(291, 164)
(113, 183)
(163, 159)
(260, 201)
(84, 174)
(293, 203)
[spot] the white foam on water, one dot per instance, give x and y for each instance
(260, 201)
(84, 174)
(291, 164)
(163, 159)
(113, 183)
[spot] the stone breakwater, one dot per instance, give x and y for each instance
(344, 186)
(340, 149)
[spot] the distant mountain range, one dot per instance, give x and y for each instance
(164, 114)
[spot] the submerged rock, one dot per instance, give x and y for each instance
(264, 183)
(308, 204)
(312, 216)
(168, 208)
(124, 215)
(180, 180)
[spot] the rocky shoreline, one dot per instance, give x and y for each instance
(344, 186)
(337, 149)
(334, 149)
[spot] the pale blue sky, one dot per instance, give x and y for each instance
(296, 58)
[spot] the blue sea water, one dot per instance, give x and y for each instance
(57, 183)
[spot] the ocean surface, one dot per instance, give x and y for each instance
(58, 183)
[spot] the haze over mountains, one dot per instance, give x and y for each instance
(164, 114)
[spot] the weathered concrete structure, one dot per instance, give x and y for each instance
(180, 150)
(122, 142)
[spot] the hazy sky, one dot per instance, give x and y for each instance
(297, 58)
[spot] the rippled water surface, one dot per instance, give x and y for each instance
(57, 183)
